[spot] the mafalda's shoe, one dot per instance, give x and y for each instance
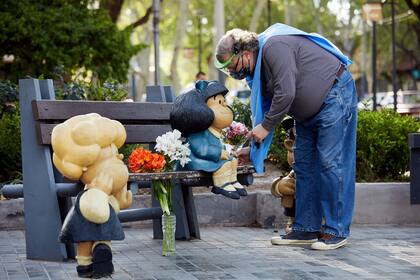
(102, 261)
(295, 238)
(329, 242)
(84, 271)
(227, 190)
(240, 189)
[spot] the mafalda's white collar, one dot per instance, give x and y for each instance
(215, 132)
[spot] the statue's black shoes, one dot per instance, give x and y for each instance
(102, 261)
(242, 191)
(84, 271)
(230, 194)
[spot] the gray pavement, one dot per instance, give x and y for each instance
(389, 252)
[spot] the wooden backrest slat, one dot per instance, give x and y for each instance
(52, 110)
(135, 133)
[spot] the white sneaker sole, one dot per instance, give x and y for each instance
(323, 246)
(277, 240)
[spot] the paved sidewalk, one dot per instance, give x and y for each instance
(236, 253)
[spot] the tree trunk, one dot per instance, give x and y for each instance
(287, 17)
(143, 77)
(113, 7)
(256, 15)
(181, 26)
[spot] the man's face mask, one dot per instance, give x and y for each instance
(238, 75)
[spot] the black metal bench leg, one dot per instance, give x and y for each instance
(179, 208)
(191, 212)
(157, 223)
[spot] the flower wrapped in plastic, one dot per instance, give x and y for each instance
(236, 135)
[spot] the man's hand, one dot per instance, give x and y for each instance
(243, 156)
(259, 133)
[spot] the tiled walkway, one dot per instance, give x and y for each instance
(236, 253)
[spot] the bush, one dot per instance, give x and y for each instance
(242, 112)
(108, 91)
(10, 155)
(382, 145)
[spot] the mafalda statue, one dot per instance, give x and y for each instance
(201, 114)
(86, 149)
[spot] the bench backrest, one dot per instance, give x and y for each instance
(142, 121)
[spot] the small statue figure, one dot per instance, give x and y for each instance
(200, 115)
(86, 149)
(284, 187)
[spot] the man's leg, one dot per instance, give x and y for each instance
(308, 217)
(336, 150)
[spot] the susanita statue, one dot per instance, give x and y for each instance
(86, 149)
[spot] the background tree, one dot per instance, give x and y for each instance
(43, 35)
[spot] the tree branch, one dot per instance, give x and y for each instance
(142, 20)
(415, 8)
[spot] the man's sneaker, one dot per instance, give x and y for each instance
(329, 242)
(295, 238)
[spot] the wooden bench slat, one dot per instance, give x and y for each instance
(135, 133)
(116, 110)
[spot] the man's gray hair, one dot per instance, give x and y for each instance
(236, 40)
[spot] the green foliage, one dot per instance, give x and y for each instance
(43, 35)
(382, 145)
(108, 91)
(10, 162)
(10, 155)
(242, 112)
(278, 153)
(8, 97)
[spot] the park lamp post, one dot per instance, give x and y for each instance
(394, 68)
(156, 19)
(372, 12)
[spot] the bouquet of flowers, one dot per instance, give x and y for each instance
(170, 150)
(236, 135)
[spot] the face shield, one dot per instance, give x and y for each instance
(237, 75)
(223, 66)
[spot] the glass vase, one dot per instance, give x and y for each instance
(168, 229)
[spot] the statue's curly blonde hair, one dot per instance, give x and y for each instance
(78, 141)
(235, 41)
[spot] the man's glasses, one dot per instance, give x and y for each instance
(224, 66)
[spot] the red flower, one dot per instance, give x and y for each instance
(142, 160)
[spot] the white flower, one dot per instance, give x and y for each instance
(171, 146)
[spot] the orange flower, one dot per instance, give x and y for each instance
(142, 160)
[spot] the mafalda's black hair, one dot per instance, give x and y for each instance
(190, 113)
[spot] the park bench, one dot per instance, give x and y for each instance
(48, 196)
